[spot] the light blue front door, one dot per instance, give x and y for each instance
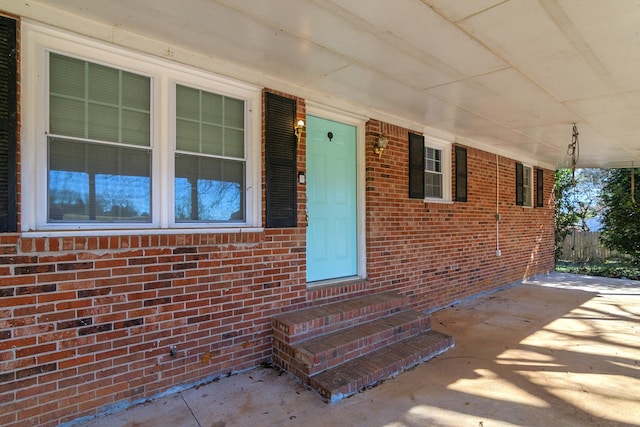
(332, 232)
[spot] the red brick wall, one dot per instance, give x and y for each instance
(88, 323)
(440, 253)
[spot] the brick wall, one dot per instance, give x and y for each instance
(89, 323)
(440, 253)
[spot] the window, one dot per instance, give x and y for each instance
(433, 173)
(527, 187)
(99, 143)
(209, 158)
(129, 141)
(429, 169)
(524, 185)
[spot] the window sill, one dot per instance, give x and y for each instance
(138, 231)
(440, 201)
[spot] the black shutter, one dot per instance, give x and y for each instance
(416, 166)
(519, 184)
(461, 174)
(539, 188)
(8, 125)
(280, 161)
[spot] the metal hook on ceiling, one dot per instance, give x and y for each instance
(573, 150)
(633, 183)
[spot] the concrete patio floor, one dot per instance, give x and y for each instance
(561, 350)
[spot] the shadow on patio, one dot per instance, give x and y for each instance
(562, 350)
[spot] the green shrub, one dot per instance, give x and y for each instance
(613, 269)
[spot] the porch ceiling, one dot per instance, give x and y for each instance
(511, 76)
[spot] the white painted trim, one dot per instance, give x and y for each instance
(333, 113)
(504, 153)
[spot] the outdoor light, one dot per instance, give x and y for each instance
(298, 129)
(380, 145)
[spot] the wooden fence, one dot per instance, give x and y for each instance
(585, 246)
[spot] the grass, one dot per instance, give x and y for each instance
(610, 268)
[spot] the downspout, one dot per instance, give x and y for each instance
(498, 252)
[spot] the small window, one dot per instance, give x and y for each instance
(524, 185)
(433, 173)
(429, 169)
(527, 187)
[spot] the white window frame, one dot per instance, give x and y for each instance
(527, 192)
(445, 148)
(37, 41)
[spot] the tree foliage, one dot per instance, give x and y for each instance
(621, 221)
(565, 214)
(577, 199)
(585, 195)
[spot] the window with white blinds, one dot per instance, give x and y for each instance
(99, 156)
(209, 157)
(117, 140)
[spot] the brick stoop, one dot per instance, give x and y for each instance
(341, 348)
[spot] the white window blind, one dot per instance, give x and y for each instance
(99, 157)
(210, 157)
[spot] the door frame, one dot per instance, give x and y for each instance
(326, 112)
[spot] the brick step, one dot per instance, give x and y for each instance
(326, 351)
(307, 323)
(365, 371)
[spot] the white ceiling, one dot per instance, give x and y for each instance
(510, 75)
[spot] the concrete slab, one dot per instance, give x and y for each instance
(561, 350)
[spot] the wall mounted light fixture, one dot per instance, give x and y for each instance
(380, 145)
(298, 129)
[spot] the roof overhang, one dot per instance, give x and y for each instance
(511, 76)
